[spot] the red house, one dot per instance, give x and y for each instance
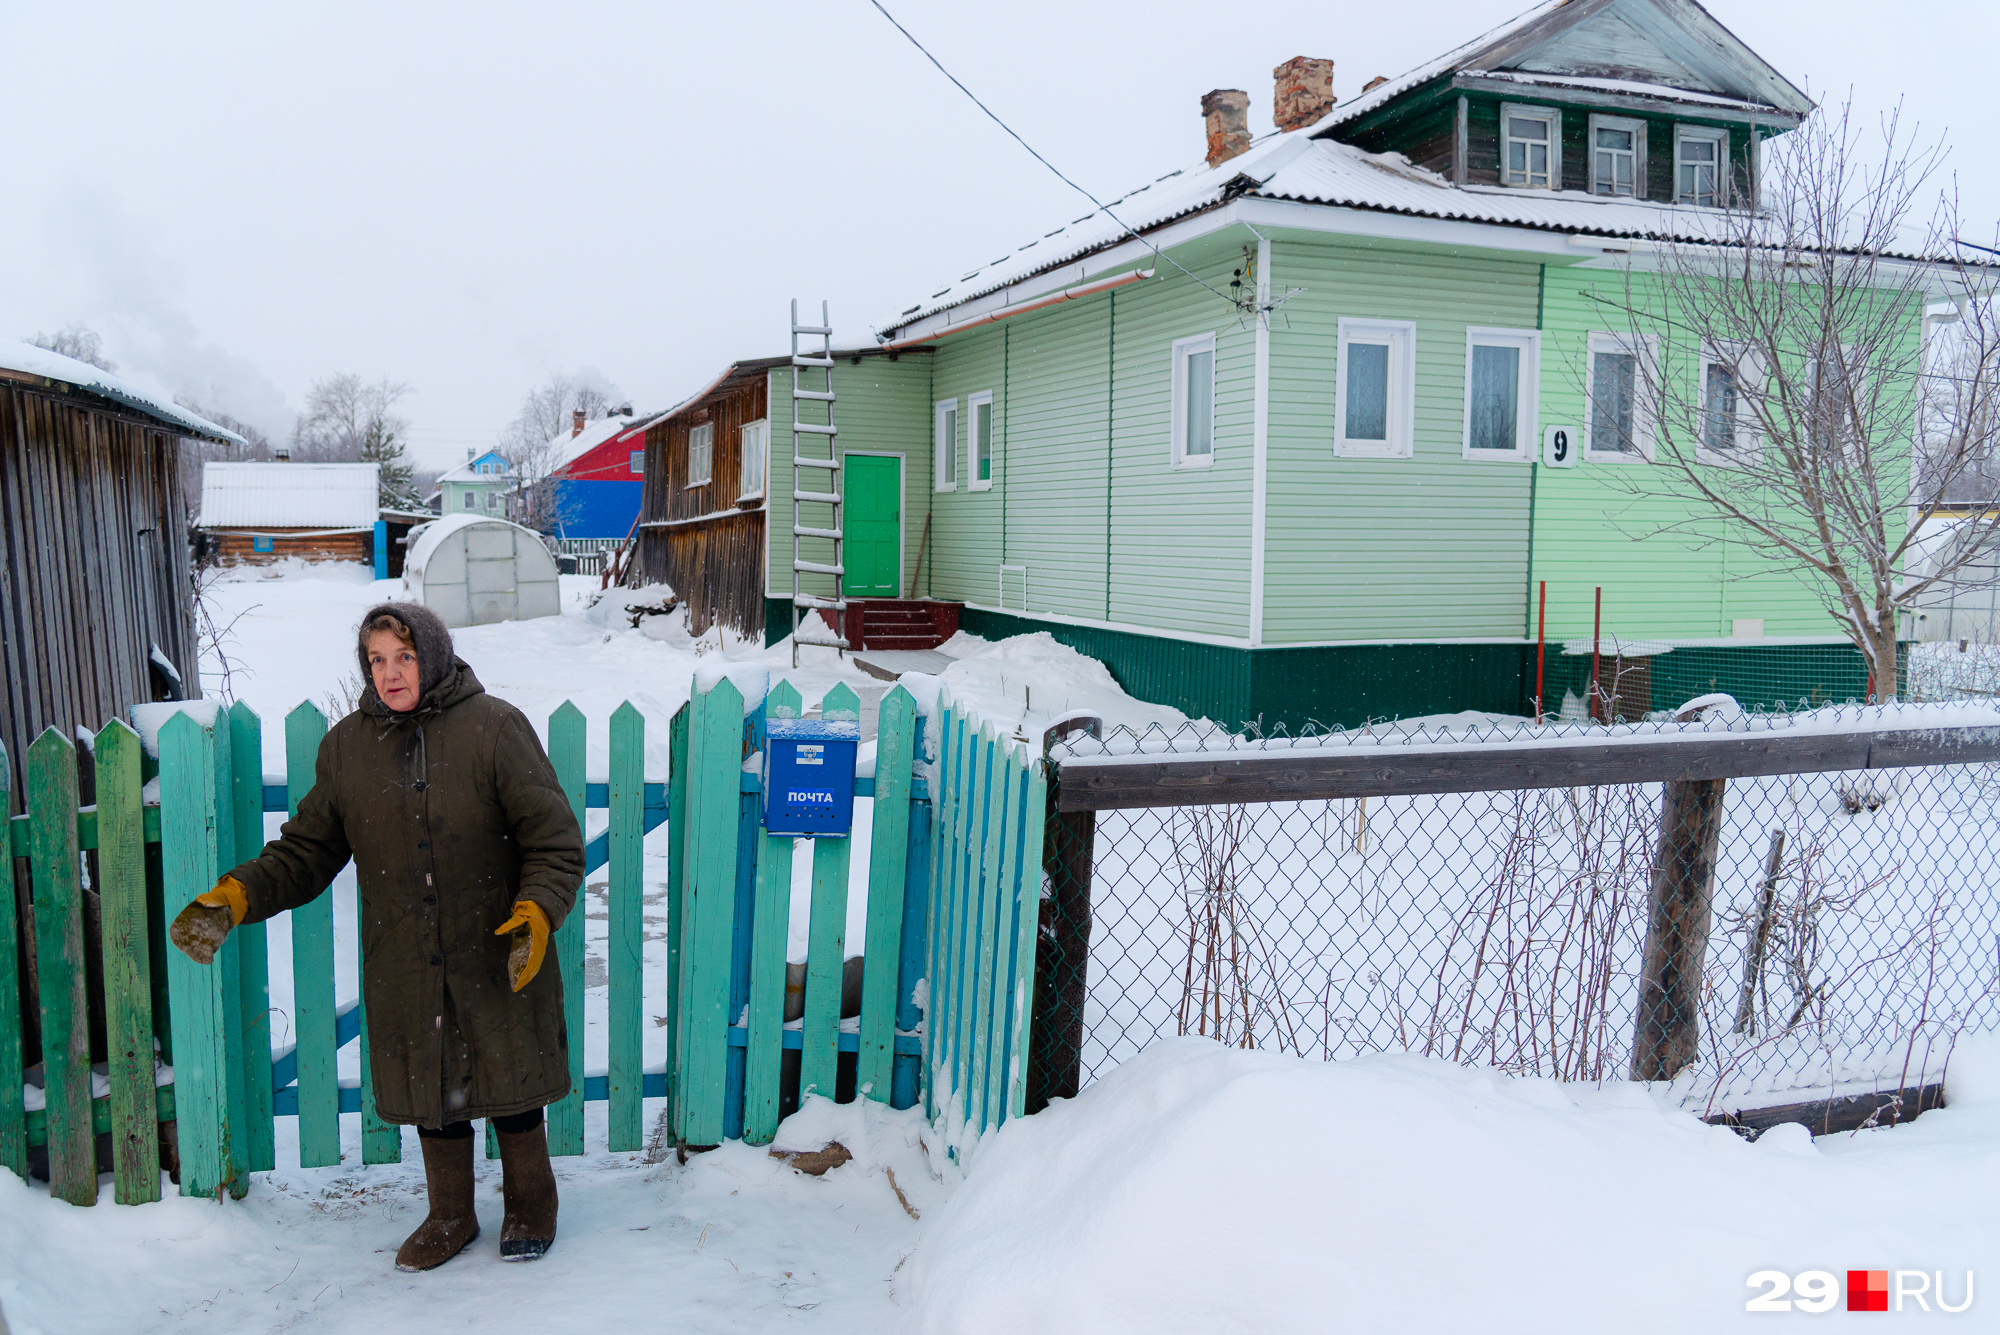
(599, 479)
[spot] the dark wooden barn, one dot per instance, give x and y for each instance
(701, 526)
(96, 589)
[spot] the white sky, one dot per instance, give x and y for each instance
(242, 197)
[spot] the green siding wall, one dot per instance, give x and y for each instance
(1430, 547)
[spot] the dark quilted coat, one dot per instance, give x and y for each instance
(451, 812)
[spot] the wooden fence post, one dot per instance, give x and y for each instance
(1062, 956)
(315, 1024)
(194, 815)
(13, 1118)
(714, 781)
(625, 929)
(770, 923)
(888, 851)
(128, 979)
(65, 1017)
(566, 753)
(826, 938)
(677, 917)
(246, 764)
(1667, 1034)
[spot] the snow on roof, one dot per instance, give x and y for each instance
(1451, 60)
(285, 495)
(31, 360)
(1660, 92)
(465, 472)
(566, 449)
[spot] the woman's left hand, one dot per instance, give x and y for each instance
(530, 927)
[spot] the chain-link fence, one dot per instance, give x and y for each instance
(1813, 932)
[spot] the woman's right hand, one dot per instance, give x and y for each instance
(200, 929)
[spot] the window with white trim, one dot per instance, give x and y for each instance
(1839, 394)
(754, 444)
(493, 500)
(1621, 424)
(1194, 401)
(1502, 368)
(1374, 388)
(466, 499)
(944, 445)
(1701, 165)
(979, 440)
(701, 453)
(1617, 156)
(1728, 378)
(1531, 146)
(638, 461)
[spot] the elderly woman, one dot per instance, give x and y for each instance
(468, 856)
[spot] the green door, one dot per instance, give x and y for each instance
(871, 517)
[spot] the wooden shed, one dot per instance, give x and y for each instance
(257, 513)
(701, 525)
(96, 585)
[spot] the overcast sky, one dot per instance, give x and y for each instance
(242, 198)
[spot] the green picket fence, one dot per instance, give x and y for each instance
(992, 800)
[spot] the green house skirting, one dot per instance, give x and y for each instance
(1346, 685)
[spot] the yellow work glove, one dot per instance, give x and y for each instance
(530, 927)
(204, 924)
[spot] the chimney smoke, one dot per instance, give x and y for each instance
(1304, 92)
(1226, 115)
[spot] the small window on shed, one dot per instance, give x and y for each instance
(756, 438)
(260, 542)
(701, 453)
(638, 461)
(1531, 146)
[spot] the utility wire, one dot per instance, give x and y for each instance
(1104, 208)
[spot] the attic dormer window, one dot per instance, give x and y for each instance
(1531, 147)
(1700, 155)
(1617, 156)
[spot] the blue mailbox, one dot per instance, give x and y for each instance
(809, 776)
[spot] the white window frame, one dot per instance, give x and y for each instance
(1710, 134)
(707, 431)
(1552, 117)
(1638, 345)
(1401, 338)
(1527, 406)
(973, 403)
(944, 446)
(1637, 129)
(1749, 382)
(467, 501)
(1184, 348)
(492, 497)
(762, 429)
(637, 463)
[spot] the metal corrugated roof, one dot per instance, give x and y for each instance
(30, 359)
(289, 495)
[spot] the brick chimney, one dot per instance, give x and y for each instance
(1226, 113)
(1304, 91)
(576, 424)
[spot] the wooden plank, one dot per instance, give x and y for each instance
(1027, 922)
(128, 968)
(907, 1066)
(1093, 784)
(314, 1020)
(1005, 931)
(59, 965)
(1849, 1112)
(13, 1117)
(626, 928)
(246, 752)
(965, 956)
(678, 919)
(951, 912)
(989, 962)
(566, 754)
(934, 897)
(770, 925)
(188, 863)
(715, 765)
(826, 940)
(229, 962)
(895, 735)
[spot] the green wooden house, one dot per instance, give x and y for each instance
(1340, 510)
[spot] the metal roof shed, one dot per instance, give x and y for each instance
(473, 571)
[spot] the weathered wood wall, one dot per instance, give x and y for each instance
(93, 534)
(230, 547)
(707, 540)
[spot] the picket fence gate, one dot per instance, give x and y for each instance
(951, 923)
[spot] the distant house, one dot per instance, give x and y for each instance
(256, 513)
(96, 586)
(597, 480)
(477, 486)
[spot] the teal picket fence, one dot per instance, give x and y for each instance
(163, 827)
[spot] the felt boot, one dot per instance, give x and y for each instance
(528, 1186)
(452, 1222)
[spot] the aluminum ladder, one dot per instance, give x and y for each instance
(808, 628)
